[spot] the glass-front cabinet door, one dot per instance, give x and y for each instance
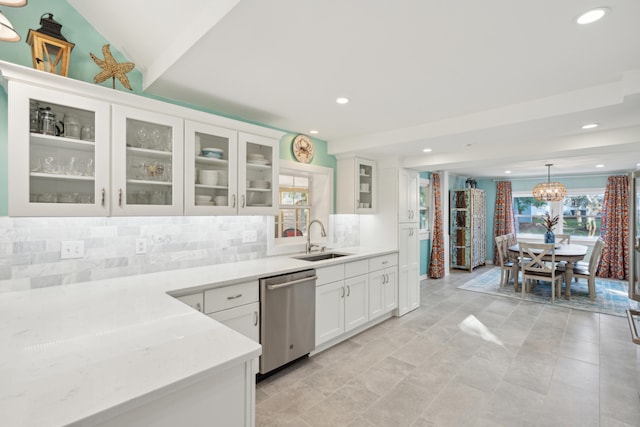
(211, 170)
(59, 151)
(365, 186)
(147, 163)
(257, 175)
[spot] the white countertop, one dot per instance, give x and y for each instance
(73, 352)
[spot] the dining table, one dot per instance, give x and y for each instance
(569, 253)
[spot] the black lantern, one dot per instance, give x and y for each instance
(50, 50)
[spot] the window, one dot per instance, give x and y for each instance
(580, 213)
(295, 207)
(306, 193)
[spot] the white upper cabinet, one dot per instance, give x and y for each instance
(257, 175)
(147, 150)
(53, 171)
(408, 196)
(77, 149)
(211, 170)
(357, 178)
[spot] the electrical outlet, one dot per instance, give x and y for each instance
(70, 249)
(249, 236)
(141, 246)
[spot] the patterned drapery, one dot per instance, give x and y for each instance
(503, 218)
(614, 229)
(436, 261)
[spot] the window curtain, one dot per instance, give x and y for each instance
(436, 261)
(503, 218)
(614, 230)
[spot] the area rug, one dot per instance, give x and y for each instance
(611, 295)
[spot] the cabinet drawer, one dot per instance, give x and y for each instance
(230, 296)
(194, 300)
(329, 274)
(384, 261)
(356, 268)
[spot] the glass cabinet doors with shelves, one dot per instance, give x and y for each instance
(365, 186)
(257, 175)
(56, 170)
(211, 170)
(147, 156)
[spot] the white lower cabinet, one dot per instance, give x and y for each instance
(329, 311)
(244, 319)
(237, 307)
(383, 285)
(343, 303)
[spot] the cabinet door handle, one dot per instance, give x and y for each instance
(234, 296)
(342, 296)
(385, 262)
(102, 199)
(242, 205)
(120, 197)
(233, 204)
(255, 318)
(348, 290)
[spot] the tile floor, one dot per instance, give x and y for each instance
(556, 367)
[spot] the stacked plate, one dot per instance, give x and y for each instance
(260, 183)
(257, 159)
(202, 200)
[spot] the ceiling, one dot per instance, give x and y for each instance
(488, 86)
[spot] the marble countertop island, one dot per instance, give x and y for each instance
(77, 353)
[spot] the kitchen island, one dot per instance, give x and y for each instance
(123, 351)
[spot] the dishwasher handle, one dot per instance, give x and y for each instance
(632, 325)
(293, 282)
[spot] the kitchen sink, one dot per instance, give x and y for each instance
(320, 256)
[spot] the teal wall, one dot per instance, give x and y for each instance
(77, 30)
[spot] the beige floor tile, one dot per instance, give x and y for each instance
(556, 367)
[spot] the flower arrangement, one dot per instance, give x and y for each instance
(549, 222)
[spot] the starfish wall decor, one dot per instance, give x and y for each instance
(111, 68)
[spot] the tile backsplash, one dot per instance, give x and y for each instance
(30, 247)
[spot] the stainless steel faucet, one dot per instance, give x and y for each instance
(323, 233)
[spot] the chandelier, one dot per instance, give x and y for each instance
(549, 191)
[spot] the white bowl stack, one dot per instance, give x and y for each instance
(221, 200)
(208, 177)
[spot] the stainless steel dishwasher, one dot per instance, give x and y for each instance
(288, 318)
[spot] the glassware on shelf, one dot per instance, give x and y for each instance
(34, 116)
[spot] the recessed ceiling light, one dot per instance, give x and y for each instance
(313, 132)
(590, 126)
(507, 172)
(427, 150)
(342, 100)
(592, 16)
(599, 166)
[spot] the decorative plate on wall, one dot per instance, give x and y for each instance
(302, 148)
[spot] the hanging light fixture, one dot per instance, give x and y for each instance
(7, 33)
(549, 191)
(50, 51)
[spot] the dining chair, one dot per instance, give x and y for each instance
(538, 268)
(563, 239)
(505, 265)
(589, 272)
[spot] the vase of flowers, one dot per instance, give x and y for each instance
(549, 223)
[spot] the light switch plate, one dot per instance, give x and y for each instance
(141, 246)
(70, 249)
